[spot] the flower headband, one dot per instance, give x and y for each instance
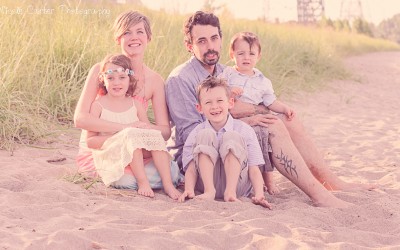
(119, 70)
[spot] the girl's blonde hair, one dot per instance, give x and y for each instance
(128, 19)
(125, 63)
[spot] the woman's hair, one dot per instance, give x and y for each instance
(213, 82)
(200, 18)
(128, 19)
(125, 63)
(251, 38)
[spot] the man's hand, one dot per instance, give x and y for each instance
(260, 120)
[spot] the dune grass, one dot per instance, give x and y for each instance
(45, 58)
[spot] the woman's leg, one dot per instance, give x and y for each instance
(290, 163)
(137, 167)
(314, 160)
(162, 161)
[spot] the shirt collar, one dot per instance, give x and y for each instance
(257, 73)
(228, 125)
(205, 74)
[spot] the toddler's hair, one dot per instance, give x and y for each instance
(128, 19)
(251, 38)
(213, 82)
(125, 63)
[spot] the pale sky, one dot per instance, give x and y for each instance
(373, 10)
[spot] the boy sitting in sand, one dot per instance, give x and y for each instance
(221, 156)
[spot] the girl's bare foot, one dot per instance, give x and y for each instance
(172, 192)
(145, 190)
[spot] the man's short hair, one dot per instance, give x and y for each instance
(200, 18)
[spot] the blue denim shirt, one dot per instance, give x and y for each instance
(180, 90)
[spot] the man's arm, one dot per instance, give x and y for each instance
(242, 109)
(181, 100)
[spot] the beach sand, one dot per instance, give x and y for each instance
(355, 123)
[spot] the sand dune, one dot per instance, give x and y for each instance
(356, 124)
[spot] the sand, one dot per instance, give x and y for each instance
(355, 123)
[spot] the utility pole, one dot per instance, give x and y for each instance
(310, 11)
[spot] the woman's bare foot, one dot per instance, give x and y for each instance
(172, 192)
(145, 190)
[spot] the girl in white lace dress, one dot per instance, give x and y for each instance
(113, 152)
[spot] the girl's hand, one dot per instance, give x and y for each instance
(140, 124)
(186, 194)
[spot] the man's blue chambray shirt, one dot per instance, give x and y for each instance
(180, 90)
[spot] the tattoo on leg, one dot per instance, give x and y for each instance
(288, 165)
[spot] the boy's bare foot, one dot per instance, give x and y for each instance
(206, 196)
(186, 194)
(145, 190)
(230, 197)
(172, 192)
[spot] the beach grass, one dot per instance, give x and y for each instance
(48, 47)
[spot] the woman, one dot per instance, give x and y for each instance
(132, 32)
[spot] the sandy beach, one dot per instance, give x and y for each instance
(355, 123)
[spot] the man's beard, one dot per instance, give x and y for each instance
(213, 61)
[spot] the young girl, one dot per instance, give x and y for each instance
(117, 157)
(249, 85)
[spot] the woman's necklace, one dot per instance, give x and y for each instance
(140, 84)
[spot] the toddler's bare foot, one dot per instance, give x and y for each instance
(145, 190)
(230, 197)
(172, 192)
(272, 189)
(261, 201)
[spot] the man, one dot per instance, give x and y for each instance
(294, 153)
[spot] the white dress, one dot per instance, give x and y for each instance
(116, 152)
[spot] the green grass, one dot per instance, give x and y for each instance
(45, 58)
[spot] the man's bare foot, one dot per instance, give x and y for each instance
(210, 195)
(230, 197)
(332, 201)
(348, 186)
(145, 190)
(172, 192)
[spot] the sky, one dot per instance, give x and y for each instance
(373, 11)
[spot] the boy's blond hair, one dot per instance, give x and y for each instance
(213, 82)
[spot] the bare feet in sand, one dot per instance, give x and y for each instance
(210, 195)
(261, 201)
(270, 186)
(331, 201)
(145, 190)
(230, 197)
(172, 192)
(347, 186)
